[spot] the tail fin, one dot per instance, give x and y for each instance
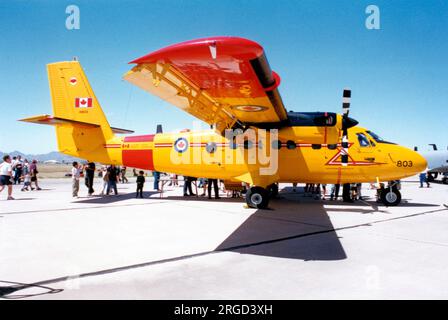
(73, 98)
(81, 126)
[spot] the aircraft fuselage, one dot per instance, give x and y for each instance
(208, 154)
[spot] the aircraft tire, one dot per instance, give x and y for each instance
(389, 198)
(273, 190)
(257, 197)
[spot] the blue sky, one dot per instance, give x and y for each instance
(398, 74)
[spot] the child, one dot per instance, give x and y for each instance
(76, 174)
(105, 179)
(26, 176)
(140, 183)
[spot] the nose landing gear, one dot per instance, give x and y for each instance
(390, 196)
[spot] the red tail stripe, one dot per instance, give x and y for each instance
(144, 138)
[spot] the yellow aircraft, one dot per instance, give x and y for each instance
(227, 83)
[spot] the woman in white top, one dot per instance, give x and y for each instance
(6, 176)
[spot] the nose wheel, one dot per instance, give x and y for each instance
(257, 197)
(390, 196)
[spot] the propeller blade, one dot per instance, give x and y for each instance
(344, 151)
(346, 123)
(346, 96)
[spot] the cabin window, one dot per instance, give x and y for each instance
(362, 139)
(316, 146)
(248, 144)
(332, 146)
(276, 144)
(210, 147)
(290, 144)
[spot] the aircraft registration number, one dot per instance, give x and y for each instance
(404, 163)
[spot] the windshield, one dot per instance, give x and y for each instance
(377, 138)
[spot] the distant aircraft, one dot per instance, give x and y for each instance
(437, 163)
(52, 162)
(227, 83)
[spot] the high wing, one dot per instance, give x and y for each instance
(224, 81)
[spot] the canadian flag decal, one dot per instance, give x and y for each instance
(83, 102)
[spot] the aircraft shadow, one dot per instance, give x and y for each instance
(289, 230)
(294, 227)
(298, 227)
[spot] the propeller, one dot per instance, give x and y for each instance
(347, 123)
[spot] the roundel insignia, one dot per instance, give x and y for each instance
(73, 81)
(181, 145)
(250, 108)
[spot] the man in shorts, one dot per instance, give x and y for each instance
(6, 176)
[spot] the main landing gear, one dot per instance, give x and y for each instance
(258, 197)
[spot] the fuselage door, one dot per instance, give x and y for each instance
(364, 146)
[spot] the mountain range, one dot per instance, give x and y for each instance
(54, 155)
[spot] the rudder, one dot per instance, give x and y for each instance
(73, 99)
(72, 96)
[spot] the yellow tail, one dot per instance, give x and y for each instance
(72, 96)
(81, 127)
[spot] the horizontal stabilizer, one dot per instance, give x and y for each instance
(50, 120)
(121, 131)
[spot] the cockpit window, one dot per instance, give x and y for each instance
(362, 139)
(377, 138)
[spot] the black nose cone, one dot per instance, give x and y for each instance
(349, 122)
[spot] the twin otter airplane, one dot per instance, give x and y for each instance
(227, 83)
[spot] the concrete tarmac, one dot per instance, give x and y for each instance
(120, 247)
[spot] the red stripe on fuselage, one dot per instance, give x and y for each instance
(144, 138)
(141, 159)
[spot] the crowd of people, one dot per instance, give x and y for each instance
(321, 192)
(18, 171)
(204, 184)
(110, 176)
